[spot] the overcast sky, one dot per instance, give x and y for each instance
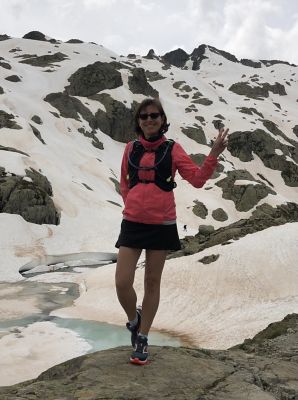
(258, 29)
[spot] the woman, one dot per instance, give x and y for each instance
(147, 182)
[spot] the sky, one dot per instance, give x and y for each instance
(256, 29)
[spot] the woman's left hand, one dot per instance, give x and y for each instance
(220, 143)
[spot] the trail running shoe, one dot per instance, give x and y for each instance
(135, 329)
(140, 353)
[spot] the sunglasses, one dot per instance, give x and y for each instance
(153, 115)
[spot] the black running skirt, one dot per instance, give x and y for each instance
(148, 236)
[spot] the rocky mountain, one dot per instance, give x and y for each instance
(262, 368)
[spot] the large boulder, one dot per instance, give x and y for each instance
(93, 78)
(29, 197)
(199, 209)
(245, 195)
(35, 35)
(220, 215)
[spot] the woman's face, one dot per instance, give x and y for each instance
(153, 121)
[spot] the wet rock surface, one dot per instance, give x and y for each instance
(262, 368)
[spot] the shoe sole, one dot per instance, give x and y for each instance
(138, 362)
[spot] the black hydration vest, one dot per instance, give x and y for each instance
(162, 165)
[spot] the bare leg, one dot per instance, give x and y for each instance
(155, 260)
(124, 278)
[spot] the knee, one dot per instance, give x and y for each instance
(122, 284)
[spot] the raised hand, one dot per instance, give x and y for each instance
(220, 143)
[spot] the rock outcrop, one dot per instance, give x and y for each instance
(262, 368)
(244, 144)
(176, 57)
(28, 196)
(7, 121)
(245, 195)
(264, 216)
(138, 83)
(93, 78)
(45, 60)
(257, 92)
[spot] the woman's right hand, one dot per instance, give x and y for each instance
(220, 143)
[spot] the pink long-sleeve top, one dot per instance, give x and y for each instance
(146, 202)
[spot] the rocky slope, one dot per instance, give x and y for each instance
(262, 368)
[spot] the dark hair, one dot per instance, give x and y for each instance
(151, 102)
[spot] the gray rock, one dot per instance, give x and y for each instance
(93, 78)
(45, 60)
(35, 35)
(95, 141)
(4, 37)
(151, 55)
(199, 159)
(153, 76)
(176, 57)
(219, 215)
(245, 196)
(117, 121)
(197, 56)
(244, 144)
(262, 368)
(263, 217)
(37, 134)
(295, 129)
(269, 63)
(209, 259)
(5, 65)
(206, 230)
(37, 119)
(78, 41)
(31, 200)
(250, 111)
(197, 134)
(199, 209)
(257, 92)
(69, 107)
(250, 63)
(1, 90)
(13, 78)
(138, 83)
(204, 101)
(225, 54)
(218, 124)
(116, 183)
(4, 148)
(7, 121)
